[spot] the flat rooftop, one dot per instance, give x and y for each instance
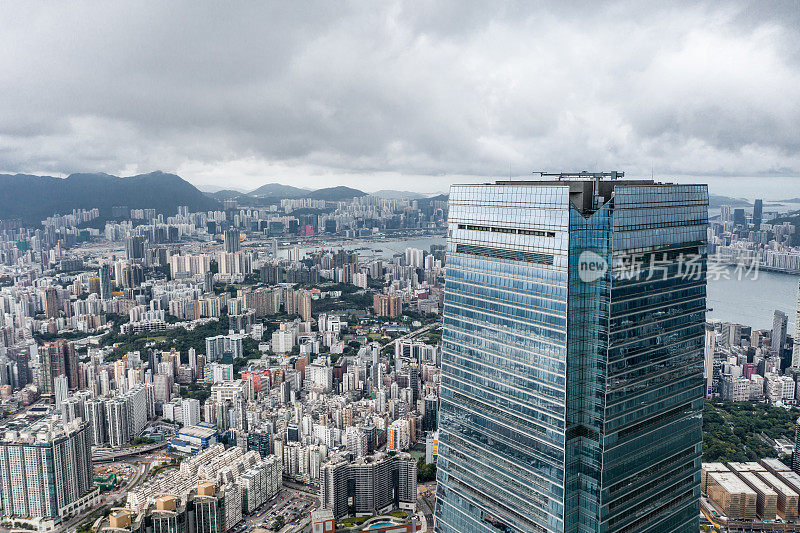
(775, 464)
(585, 188)
(715, 467)
(747, 467)
(731, 482)
(201, 430)
(777, 485)
(757, 483)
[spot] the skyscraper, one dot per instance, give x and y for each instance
(779, 330)
(572, 358)
(50, 302)
(431, 410)
(758, 210)
(105, 282)
(232, 241)
(57, 359)
(796, 338)
(739, 217)
(726, 213)
(134, 248)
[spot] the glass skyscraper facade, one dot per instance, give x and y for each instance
(572, 358)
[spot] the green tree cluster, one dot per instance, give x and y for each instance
(180, 338)
(425, 471)
(278, 524)
(740, 431)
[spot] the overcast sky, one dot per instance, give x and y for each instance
(401, 95)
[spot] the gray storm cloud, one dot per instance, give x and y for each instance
(365, 93)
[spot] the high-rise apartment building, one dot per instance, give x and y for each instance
(60, 390)
(117, 426)
(105, 281)
(780, 324)
(390, 305)
(134, 248)
(371, 484)
(726, 213)
(796, 452)
(217, 347)
(57, 359)
(46, 470)
(709, 351)
(191, 411)
(96, 417)
(303, 304)
(94, 285)
(232, 241)
(796, 339)
(50, 302)
(572, 358)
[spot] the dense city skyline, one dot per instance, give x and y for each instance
(433, 267)
(312, 358)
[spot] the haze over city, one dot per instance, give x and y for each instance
(424, 94)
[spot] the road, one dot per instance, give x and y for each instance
(112, 499)
(412, 334)
(100, 455)
(294, 505)
(426, 496)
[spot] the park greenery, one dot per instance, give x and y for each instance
(197, 391)
(434, 336)
(180, 338)
(425, 471)
(743, 431)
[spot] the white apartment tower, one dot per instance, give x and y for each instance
(45, 469)
(796, 347)
(191, 411)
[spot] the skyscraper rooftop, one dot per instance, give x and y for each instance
(571, 388)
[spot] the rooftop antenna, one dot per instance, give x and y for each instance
(583, 175)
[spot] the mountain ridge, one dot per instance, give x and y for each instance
(33, 198)
(335, 194)
(392, 194)
(278, 190)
